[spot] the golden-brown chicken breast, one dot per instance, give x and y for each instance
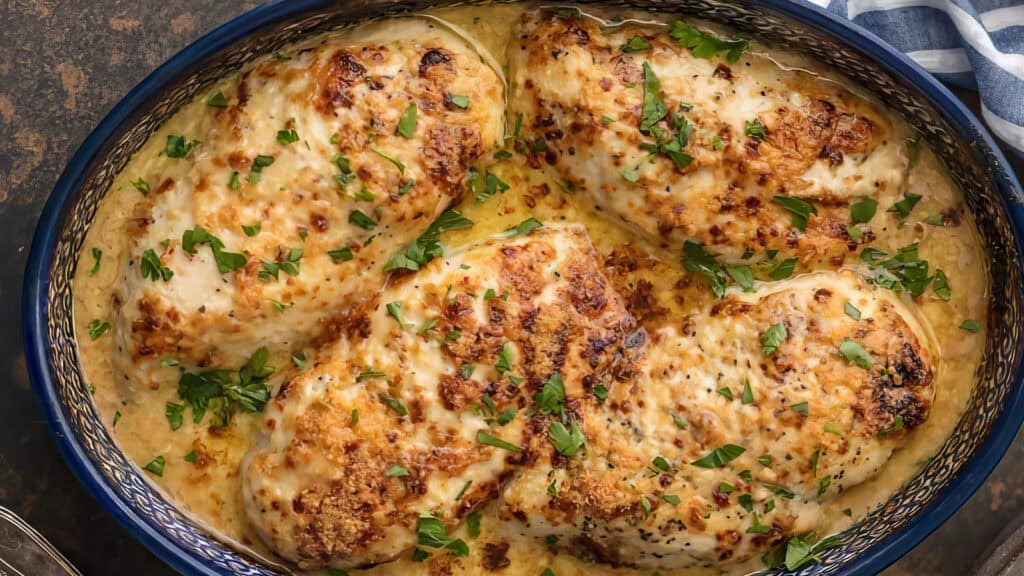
(738, 423)
(282, 202)
(421, 407)
(726, 148)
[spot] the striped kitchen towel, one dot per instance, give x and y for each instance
(967, 43)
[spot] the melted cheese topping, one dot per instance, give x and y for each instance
(603, 304)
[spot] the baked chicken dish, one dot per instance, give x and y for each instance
(532, 290)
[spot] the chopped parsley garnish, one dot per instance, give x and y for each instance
(755, 525)
(234, 182)
(747, 502)
(347, 175)
(226, 261)
(897, 424)
(175, 415)
(431, 532)
(743, 276)
(97, 255)
(831, 429)
(630, 175)
(217, 100)
(367, 373)
(155, 466)
(935, 220)
(940, 285)
(716, 143)
(671, 499)
(800, 210)
(567, 441)
(720, 456)
(823, 484)
(851, 311)
(706, 44)
(396, 471)
(773, 337)
(258, 164)
(289, 136)
(502, 155)
(507, 415)
(636, 44)
(653, 107)
(251, 229)
(427, 246)
(281, 306)
(299, 360)
(764, 459)
(98, 328)
(362, 220)
(801, 408)
(407, 123)
(395, 311)
(343, 254)
(117, 418)
(504, 363)
(601, 393)
(473, 523)
(700, 262)
(726, 392)
(679, 421)
(755, 129)
(672, 141)
(862, 212)
(152, 268)
(524, 227)
(462, 492)
(393, 160)
(489, 440)
(485, 185)
(855, 353)
(970, 326)
(223, 392)
(459, 100)
(903, 271)
(748, 393)
(141, 185)
(290, 266)
(783, 269)
(905, 206)
(178, 146)
(394, 404)
(798, 553)
(551, 398)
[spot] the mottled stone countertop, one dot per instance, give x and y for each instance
(64, 65)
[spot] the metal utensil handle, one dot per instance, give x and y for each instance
(24, 551)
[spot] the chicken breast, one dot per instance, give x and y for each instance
(422, 405)
(726, 148)
(738, 423)
(280, 205)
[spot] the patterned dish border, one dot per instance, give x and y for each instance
(993, 193)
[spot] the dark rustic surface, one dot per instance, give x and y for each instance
(64, 65)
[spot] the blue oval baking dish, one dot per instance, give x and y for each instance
(992, 192)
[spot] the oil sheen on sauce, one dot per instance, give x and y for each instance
(211, 493)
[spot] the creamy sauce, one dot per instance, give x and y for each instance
(211, 493)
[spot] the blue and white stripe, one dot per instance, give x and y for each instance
(967, 43)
